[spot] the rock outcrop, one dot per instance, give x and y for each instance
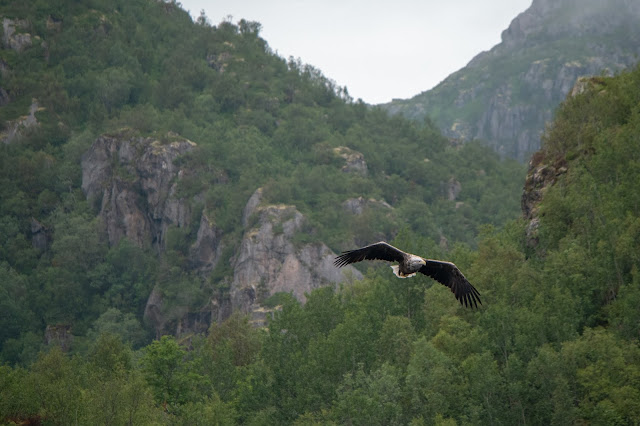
(59, 335)
(453, 188)
(506, 95)
(357, 206)
(14, 129)
(270, 261)
(14, 36)
(363, 212)
(542, 174)
(206, 250)
(354, 160)
(544, 171)
(153, 312)
(134, 180)
(133, 183)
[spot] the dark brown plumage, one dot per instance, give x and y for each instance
(445, 273)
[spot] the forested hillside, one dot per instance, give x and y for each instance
(555, 341)
(182, 122)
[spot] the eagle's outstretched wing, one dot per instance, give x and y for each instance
(445, 273)
(377, 251)
(448, 274)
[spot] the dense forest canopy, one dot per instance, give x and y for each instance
(556, 341)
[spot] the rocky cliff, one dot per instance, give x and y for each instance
(133, 183)
(269, 260)
(506, 95)
(542, 174)
(15, 34)
(545, 169)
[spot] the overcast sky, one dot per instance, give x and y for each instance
(378, 49)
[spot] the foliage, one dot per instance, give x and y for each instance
(555, 342)
(258, 121)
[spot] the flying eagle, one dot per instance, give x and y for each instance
(445, 273)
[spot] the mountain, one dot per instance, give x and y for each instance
(506, 95)
(555, 341)
(172, 195)
(158, 174)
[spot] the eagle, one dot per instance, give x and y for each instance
(446, 273)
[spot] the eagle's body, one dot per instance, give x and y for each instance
(445, 273)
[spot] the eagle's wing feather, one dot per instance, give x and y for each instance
(448, 274)
(377, 251)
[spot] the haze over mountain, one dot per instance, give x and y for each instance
(378, 51)
(506, 95)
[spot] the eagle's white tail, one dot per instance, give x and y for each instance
(396, 271)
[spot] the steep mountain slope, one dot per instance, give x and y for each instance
(506, 95)
(157, 173)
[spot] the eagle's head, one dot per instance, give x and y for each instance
(415, 263)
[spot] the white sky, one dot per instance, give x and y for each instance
(378, 49)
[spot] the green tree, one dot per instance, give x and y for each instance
(56, 380)
(210, 411)
(125, 326)
(18, 397)
(395, 342)
(168, 373)
(434, 383)
(369, 399)
(606, 377)
(116, 393)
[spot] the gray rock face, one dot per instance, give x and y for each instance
(574, 17)
(16, 128)
(542, 175)
(354, 160)
(544, 172)
(133, 183)
(269, 261)
(513, 127)
(252, 205)
(357, 206)
(153, 312)
(134, 180)
(11, 39)
(453, 188)
(205, 252)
